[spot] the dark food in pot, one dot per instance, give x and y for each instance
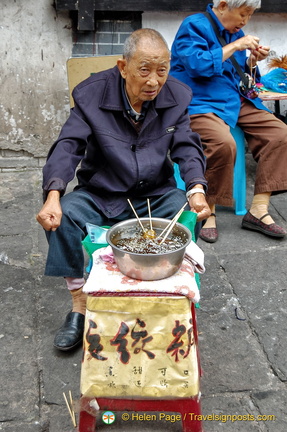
(142, 244)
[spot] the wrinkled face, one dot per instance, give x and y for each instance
(234, 19)
(146, 72)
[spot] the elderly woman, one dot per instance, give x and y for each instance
(200, 60)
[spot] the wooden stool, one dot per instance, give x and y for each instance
(140, 354)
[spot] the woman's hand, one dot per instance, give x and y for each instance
(246, 42)
(260, 53)
(257, 55)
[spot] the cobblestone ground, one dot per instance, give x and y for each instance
(241, 321)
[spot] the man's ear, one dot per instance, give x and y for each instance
(122, 65)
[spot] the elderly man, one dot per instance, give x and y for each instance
(127, 123)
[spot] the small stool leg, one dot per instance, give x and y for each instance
(239, 178)
(189, 425)
(190, 411)
(87, 422)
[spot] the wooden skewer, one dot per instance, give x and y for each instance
(136, 215)
(149, 212)
(72, 407)
(175, 218)
(172, 223)
(70, 412)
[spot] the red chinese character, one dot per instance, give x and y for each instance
(178, 331)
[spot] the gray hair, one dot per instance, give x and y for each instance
(232, 4)
(133, 40)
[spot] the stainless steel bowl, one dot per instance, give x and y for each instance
(147, 266)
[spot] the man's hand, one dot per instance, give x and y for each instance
(198, 204)
(50, 214)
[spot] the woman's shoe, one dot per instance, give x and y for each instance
(209, 235)
(252, 223)
(70, 334)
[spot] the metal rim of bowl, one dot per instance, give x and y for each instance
(127, 221)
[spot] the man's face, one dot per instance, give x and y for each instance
(146, 72)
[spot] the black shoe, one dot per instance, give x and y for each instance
(70, 334)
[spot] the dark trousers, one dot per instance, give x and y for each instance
(266, 138)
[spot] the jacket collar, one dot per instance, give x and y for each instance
(128, 107)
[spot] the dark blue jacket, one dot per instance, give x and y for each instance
(116, 161)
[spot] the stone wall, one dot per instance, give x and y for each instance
(35, 44)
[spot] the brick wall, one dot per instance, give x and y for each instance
(108, 37)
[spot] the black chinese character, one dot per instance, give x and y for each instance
(93, 340)
(137, 335)
(120, 340)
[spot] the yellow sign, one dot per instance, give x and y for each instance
(139, 347)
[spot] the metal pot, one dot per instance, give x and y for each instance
(147, 266)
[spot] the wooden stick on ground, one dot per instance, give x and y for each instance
(70, 411)
(72, 407)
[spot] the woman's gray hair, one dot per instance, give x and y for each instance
(232, 4)
(132, 41)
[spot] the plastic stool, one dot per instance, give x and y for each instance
(188, 407)
(239, 174)
(179, 182)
